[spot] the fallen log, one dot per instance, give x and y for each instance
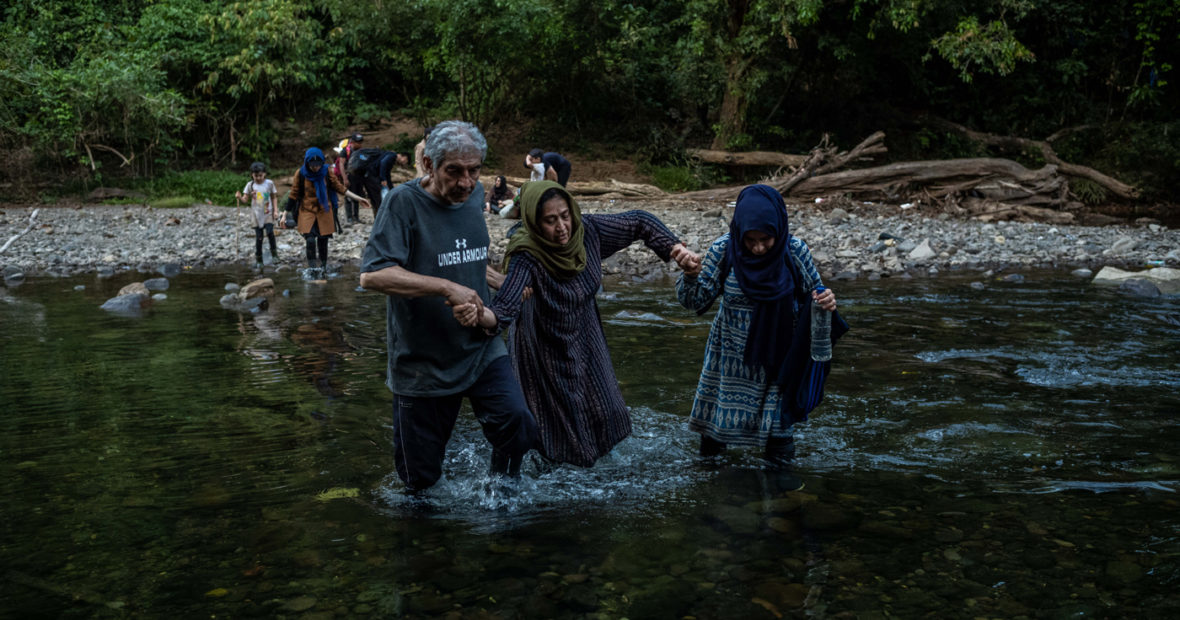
(823, 158)
(986, 211)
(1046, 148)
(612, 188)
(749, 158)
(32, 220)
(1001, 180)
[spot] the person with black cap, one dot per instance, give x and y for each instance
(356, 182)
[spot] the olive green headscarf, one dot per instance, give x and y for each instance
(562, 261)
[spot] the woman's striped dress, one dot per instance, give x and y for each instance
(734, 404)
(558, 347)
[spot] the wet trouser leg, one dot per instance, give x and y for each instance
(710, 446)
(258, 244)
(422, 426)
(500, 407)
(270, 236)
(356, 184)
(322, 246)
(780, 451)
(311, 249)
(373, 192)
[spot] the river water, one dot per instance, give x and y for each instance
(1002, 452)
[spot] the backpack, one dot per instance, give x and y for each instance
(361, 161)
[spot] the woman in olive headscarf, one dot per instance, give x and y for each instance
(556, 341)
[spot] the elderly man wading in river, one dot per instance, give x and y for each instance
(428, 251)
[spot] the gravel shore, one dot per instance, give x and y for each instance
(858, 241)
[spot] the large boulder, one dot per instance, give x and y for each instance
(1166, 279)
(253, 297)
(262, 287)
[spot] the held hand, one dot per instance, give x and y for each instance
(826, 299)
(688, 261)
(466, 314)
(458, 295)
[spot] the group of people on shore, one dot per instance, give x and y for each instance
(363, 176)
(550, 385)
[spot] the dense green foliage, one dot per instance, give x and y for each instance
(135, 85)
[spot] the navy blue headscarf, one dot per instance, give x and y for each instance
(771, 281)
(318, 178)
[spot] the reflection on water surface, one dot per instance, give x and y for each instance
(998, 452)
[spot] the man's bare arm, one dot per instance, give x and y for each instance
(401, 282)
(495, 278)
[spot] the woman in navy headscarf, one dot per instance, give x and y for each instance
(313, 194)
(763, 275)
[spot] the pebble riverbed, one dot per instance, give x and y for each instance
(854, 242)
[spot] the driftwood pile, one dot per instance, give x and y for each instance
(987, 188)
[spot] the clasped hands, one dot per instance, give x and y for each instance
(466, 306)
(688, 261)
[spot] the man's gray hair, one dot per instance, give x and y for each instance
(453, 138)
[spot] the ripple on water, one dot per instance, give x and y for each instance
(1081, 370)
(1041, 487)
(646, 473)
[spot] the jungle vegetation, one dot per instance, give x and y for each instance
(129, 87)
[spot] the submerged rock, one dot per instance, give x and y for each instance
(1165, 278)
(1139, 288)
(126, 305)
(157, 284)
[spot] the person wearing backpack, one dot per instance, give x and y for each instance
(364, 166)
(344, 152)
(767, 281)
(384, 170)
(311, 203)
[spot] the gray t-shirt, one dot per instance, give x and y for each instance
(430, 354)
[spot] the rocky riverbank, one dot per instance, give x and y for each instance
(856, 241)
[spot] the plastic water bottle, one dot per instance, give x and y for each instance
(821, 331)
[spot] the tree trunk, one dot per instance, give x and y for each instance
(732, 121)
(735, 101)
(749, 158)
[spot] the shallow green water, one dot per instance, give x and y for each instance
(996, 453)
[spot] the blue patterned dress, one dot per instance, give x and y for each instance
(734, 404)
(558, 347)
